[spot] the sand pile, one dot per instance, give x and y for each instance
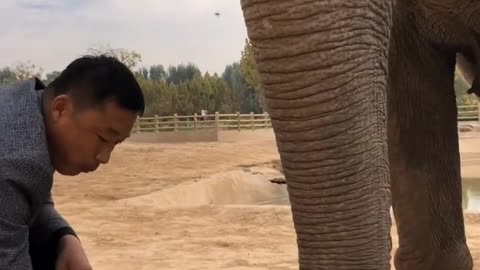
(236, 187)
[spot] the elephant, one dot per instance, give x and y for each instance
(361, 97)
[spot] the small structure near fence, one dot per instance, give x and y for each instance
(209, 122)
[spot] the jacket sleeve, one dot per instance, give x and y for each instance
(16, 201)
(25, 194)
(13, 230)
(46, 230)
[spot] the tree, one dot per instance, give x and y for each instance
(142, 73)
(249, 71)
(244, 96)
(26, 70)
(248, 66)
(158, 97)
(180, 89)
(182, 73)
(130, 58)
(239, 89)
(20, 72)
(183, 98)
(7, 77)
(221, 95)
(157, 73)
(461, 87)
(51, 76)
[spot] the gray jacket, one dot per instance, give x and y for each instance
(27, 215)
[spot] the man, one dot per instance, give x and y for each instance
(71, 127)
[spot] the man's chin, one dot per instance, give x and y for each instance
(68, 171)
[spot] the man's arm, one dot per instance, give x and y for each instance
(22, 183)
(45, 234)
(13, 228)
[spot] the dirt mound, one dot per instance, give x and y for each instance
(465, 128)
(238, 187)
(275, 164)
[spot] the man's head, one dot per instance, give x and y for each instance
(89, 109)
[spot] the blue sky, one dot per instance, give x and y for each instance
(51, 33)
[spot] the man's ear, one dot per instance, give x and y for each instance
(61, 106)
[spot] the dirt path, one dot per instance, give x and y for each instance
(149, 208)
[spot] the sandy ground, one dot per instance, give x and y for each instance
(196, 206)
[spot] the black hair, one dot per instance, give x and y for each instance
(92, 80)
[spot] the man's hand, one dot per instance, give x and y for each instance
(71, 255)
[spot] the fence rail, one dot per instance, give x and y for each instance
(237, 121)
(468, 113)
(202, 122)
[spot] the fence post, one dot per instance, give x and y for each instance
(266, 119)
(478, 110)
(217, 121)
(238, 121)
(135, 128)
(156, 123)
(195, 121)
(175, 122)
(252, 116)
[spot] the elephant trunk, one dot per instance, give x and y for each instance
(323, 67)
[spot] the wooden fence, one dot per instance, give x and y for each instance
(238, 121)
(198, 122)
(469, 113)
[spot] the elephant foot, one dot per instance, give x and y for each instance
(459, 259)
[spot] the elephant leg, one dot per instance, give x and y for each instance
(450, 32)
(323, 66)
(425, 179)
(424, 154)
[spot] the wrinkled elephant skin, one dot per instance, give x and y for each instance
(362, 103)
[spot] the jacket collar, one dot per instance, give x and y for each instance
(37, 84)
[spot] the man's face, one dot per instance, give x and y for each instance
(79, 141)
